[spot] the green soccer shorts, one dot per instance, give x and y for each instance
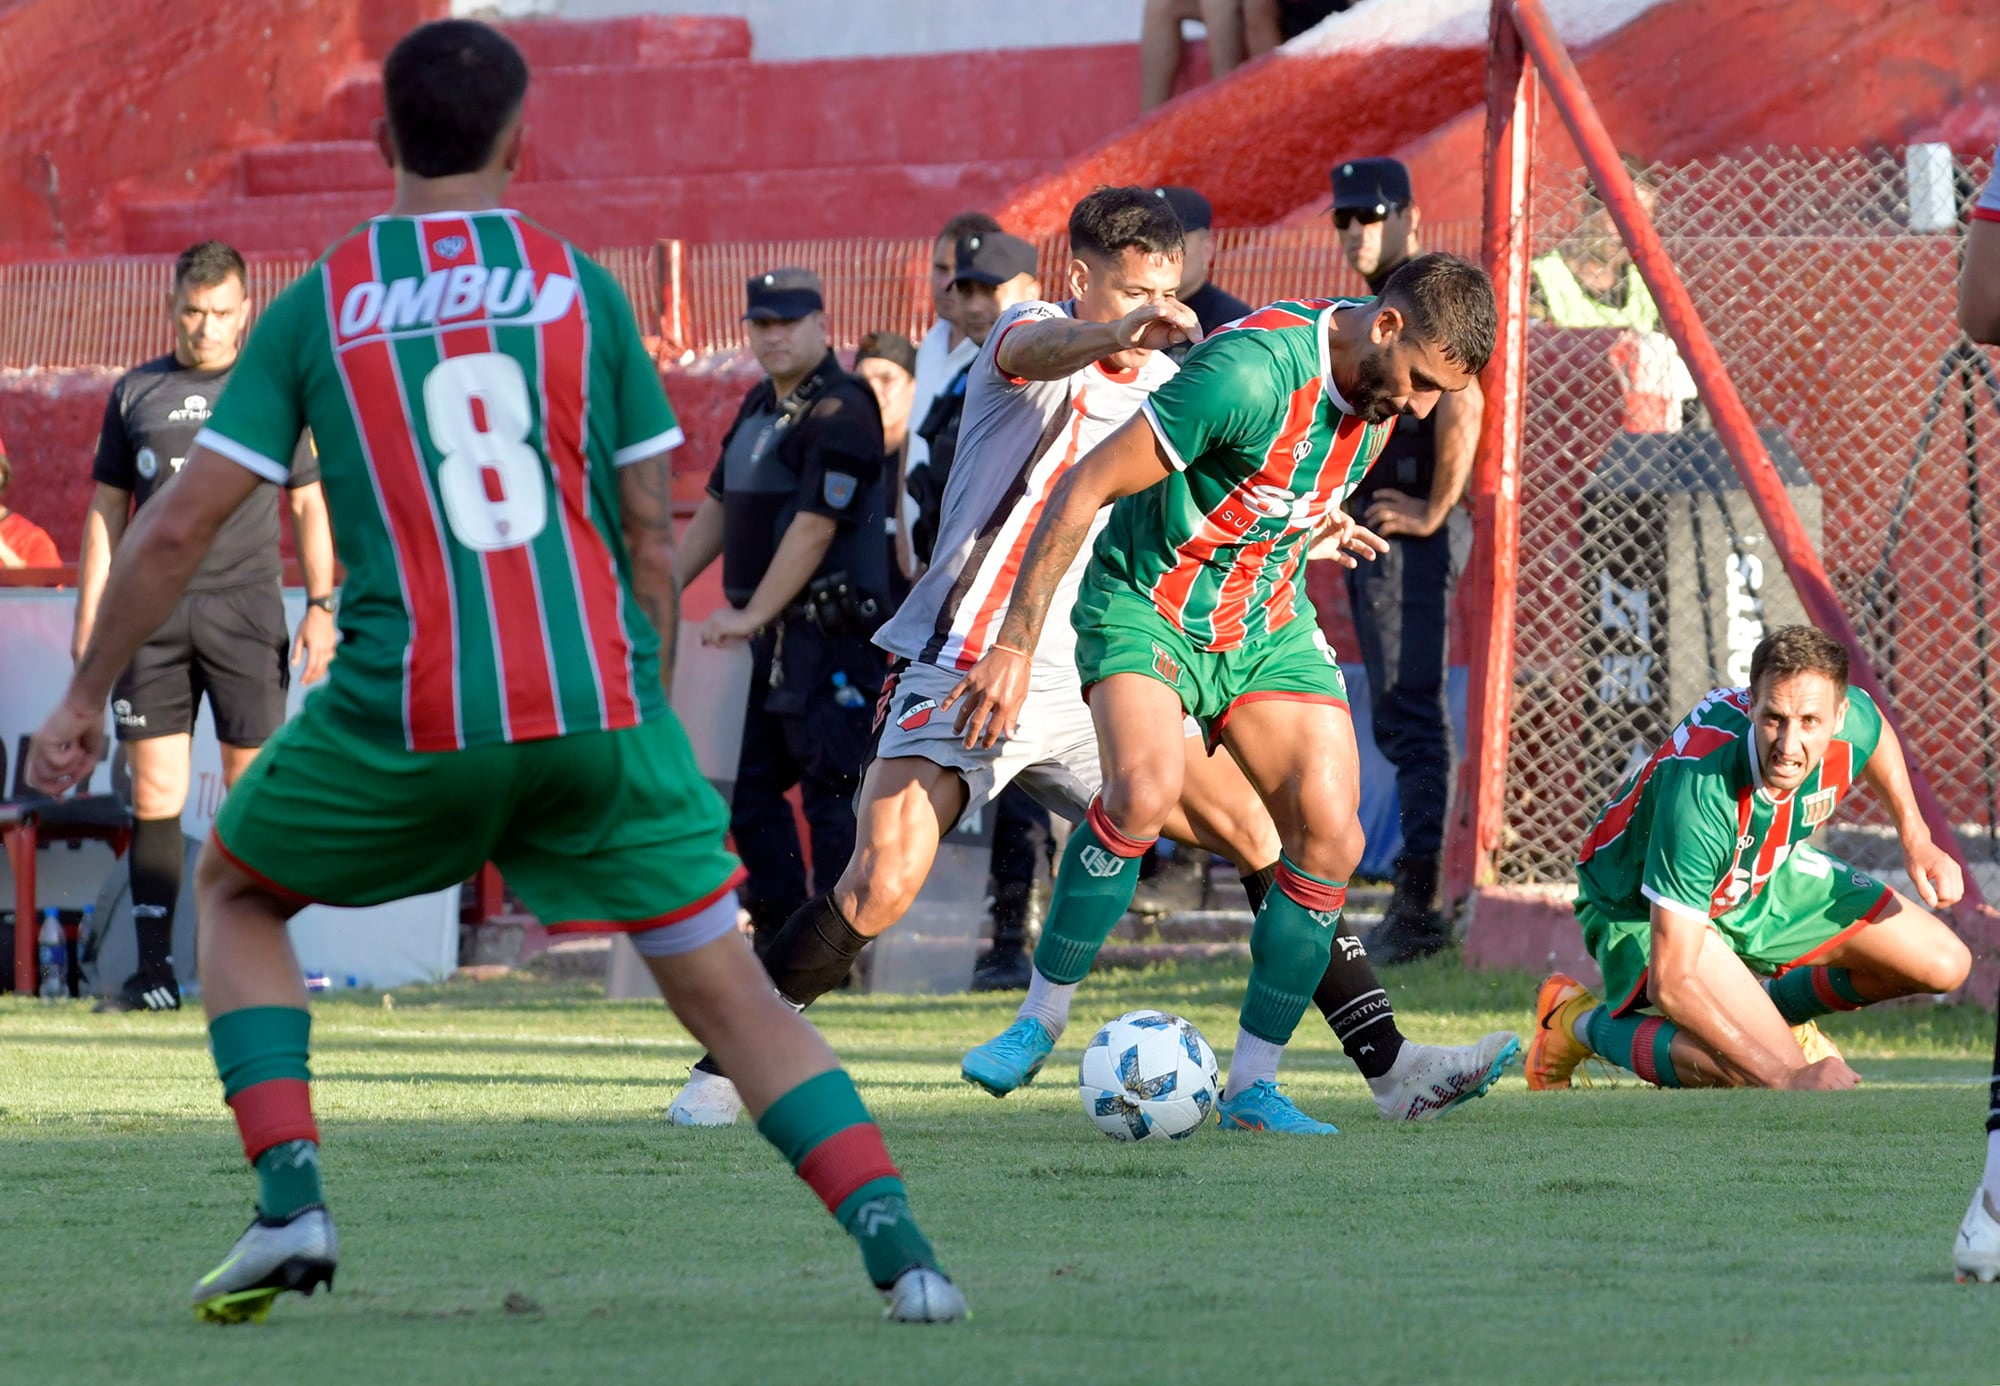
(1119, 632)
(601, 831)
(1811, 902)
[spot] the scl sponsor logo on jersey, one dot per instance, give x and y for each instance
(1819, 807)
(916, 712)
(465, 295)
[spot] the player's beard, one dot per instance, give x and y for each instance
(1370, 397)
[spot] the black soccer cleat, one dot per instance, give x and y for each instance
(143, 991)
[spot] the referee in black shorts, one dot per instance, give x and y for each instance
(227, 638)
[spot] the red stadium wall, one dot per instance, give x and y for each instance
(107, 99)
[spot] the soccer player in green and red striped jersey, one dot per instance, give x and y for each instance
(1194, 601)
(494, 444)
(1715, 924)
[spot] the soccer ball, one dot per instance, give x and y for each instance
(1147, 1076)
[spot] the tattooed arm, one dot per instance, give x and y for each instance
(1125, 463)
(1053, 348)
(646, 515)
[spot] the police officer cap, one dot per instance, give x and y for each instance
(1371, 185)
(781, 295)
(992, 257)
(1190, 206)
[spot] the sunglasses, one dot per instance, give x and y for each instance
(1346, 216)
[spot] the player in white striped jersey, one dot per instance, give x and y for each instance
(1051, 381)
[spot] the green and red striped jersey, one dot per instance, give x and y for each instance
(1263, 447)
(1695, 830)
(472, 384)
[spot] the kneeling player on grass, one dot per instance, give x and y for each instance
(1193, 603)
(1715, 925)
(1058, 379)
(488, 422)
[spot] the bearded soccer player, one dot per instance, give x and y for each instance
(1715, 923)
(1976, 1251)
(1193, 603)
(494, 444)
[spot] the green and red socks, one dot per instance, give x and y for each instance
(260, 1052)
(1642, 1043)
(1806, 993)
(1094, 888)
(823, 1129)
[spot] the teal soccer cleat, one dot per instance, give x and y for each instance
(1011, 1059)
(1261, 1107)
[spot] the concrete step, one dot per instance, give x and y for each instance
(624, 119)
(648, 39)
(743, 206)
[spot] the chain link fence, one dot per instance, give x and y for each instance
(1828, 283)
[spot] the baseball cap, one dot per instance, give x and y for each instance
(992, 257)
(1190, 206)
(781, 295)
(887, 346)
(1370, 185)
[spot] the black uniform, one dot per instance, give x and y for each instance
(1215, 306)
(1402, 603)
(814, 674)
(226, 637)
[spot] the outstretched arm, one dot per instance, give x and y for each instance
(1053, 348)
(1127, 462)
(1934, 873)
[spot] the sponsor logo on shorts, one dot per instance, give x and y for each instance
(122, 710)
(1819, 807)
(1099, 863)
(916, 712)
(1863, 881)
(1166, 666)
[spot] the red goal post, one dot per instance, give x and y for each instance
(1792, 258)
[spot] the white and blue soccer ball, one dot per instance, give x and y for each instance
(1148, 1076)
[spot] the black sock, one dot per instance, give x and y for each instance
(1357, 1008)
(1993, 1087)
(156, 859)
(1258, 884)
(809, 957)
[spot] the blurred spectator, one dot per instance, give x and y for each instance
(794, 510)
(23, 543)
(943, 353)
(1591, 282)
(1211, 303)
(1402, 602)
(1236, 29)
(888, 362)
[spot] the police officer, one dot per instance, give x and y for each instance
(794, 509)
(1402, 601)
(1212, 304)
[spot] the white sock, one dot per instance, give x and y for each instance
(1254, 1060)
(1582, 1027)
(1048, 1002)
(1992, 1179)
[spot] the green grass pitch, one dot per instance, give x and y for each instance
(513, 1207)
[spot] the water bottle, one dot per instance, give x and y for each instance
(53, 955)
(317, 982)
(846, 694)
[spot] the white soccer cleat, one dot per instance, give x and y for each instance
(709, 1099)
(1428, 1080)
(1976, 1253)
(922, 1295)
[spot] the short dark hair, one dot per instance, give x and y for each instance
(893, 347)
(1635, 168)
(1791, 650)
(1110, 221)
(208, 264)
(450, 88)
(965, 224)
(1447, 301)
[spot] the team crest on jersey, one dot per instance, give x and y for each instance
(1817, 808)
(148, 463)
(916, 712)
(1166, 666)
(1302, 449)
(448, 247)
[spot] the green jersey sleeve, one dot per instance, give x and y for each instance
(1862, 728)
(1225, 397)
(645, 425)
(258, 420)
(1692, 843)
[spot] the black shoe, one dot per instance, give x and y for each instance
(1402, 938)
(1017, 922)
(999, 971)
(1180, 885)
(143, 992)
